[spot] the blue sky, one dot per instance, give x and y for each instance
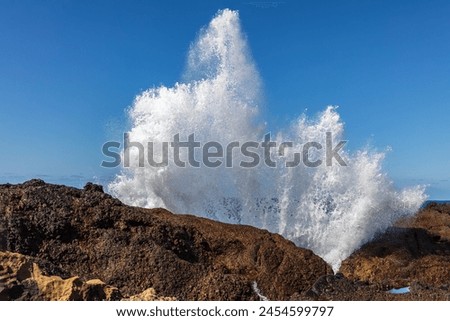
(69, 69)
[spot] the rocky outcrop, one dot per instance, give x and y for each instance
(82, 244)
(89, 234)
(338, 287)
(415, 253)
(22, 279)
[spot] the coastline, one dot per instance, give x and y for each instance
(66, 232)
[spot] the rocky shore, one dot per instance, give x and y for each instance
(63, 243)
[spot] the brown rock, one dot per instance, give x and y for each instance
(414, 252)
(90, 234)
(22, 279)
(338, 287)
(149, 295)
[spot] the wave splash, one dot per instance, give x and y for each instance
(331, 210)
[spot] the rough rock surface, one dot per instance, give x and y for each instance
(89, 234)
(148, 295)
(22, 279)
(415, 253)
(85, 245)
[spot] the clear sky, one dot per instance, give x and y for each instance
(69, 69)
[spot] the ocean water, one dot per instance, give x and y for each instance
(404, 290)
(427, 202)
(331, 210)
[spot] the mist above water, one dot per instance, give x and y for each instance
(331, 210)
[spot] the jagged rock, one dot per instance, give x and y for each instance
(22, 279)
(90, 234)
(161, 256)
(414, 251)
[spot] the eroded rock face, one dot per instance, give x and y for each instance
(22, 279)
(90, 234)
(85, 245)
(415, 253)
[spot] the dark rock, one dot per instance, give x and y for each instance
(74, 238)
(413, 251)
(94, 236)
(93, 187)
